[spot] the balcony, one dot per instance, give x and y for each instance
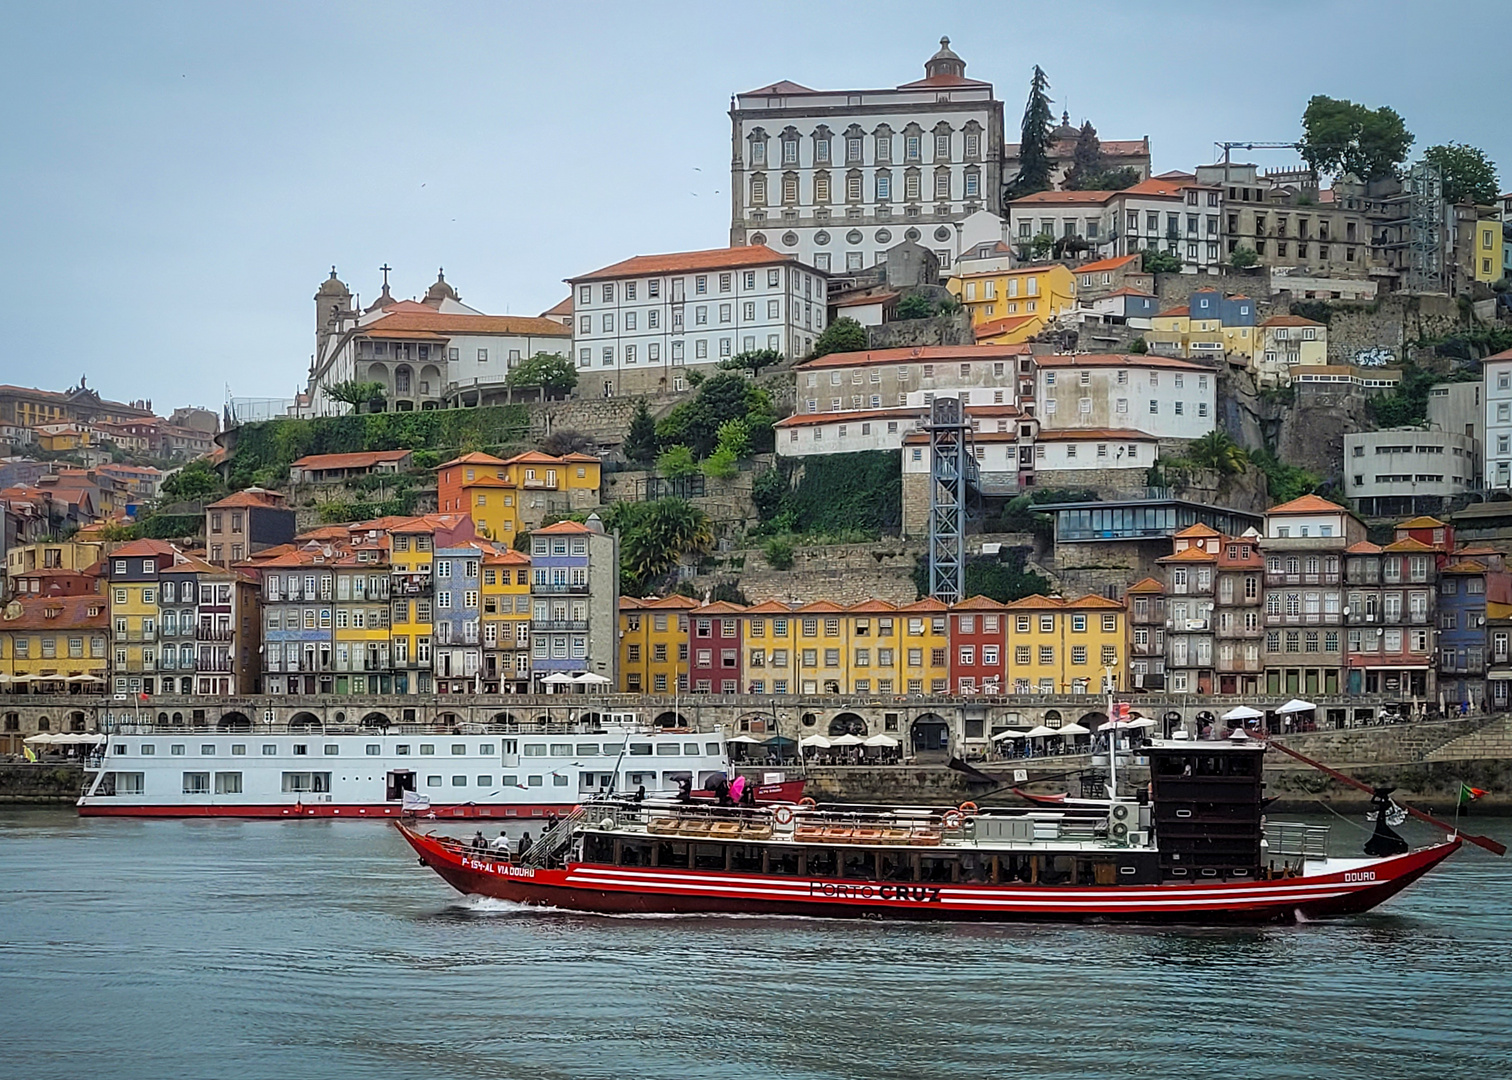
(1463, 667)
(401, 585)
(559, 624)
(222, 665)
(539, 484)
(134, 636)
(205, 633)
(1311, 618)
(1238, 665)
(559, 590)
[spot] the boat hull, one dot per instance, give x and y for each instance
(648, 890)
(379, 811)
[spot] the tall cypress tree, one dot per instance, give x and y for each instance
(1086, 161)
(1034, 140)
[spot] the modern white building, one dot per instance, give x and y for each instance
(1167, 398)
(1497, 371)
(642, 322)
(1403, 471)
(836, 177)
(426, 354)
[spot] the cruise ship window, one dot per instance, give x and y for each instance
(427, 748)
(331, 749)
(374, 749)
(432, 781)
(486, 749)
(269, 749)
(402, 748)
(459, 748)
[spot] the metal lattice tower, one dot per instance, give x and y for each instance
(1424, 188)
(952, 467)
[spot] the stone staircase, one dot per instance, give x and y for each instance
(1490, 740)
(1400, 744)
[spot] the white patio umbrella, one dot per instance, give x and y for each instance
(40, 739)
(818, 741)
(592, 678)
(1002, 735)
(847, 740)
(1040, 732)
(1244, 712)
(83, 678)
(557, 678)
(1296, 705)
(1142, 722)
(1073, 729)
(882, 740)
(745, 739)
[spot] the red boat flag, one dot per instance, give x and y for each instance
(1469, 794)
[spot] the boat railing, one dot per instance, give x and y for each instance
(598, 731)
(1296, 839)
(556, 837)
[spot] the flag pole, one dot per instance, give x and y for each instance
(1459, 798)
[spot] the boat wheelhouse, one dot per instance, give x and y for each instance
(313, 770)
(1196, 850)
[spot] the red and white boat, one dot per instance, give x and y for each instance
(1197, 851)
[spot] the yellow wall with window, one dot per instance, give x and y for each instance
(654, 645)
(1488, 251)
(1045, 290)
(1060, 646)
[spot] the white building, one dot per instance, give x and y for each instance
(1168, 398)
(836, 177)
(642, 322)
(1095, 448)
(803, 434)
(1497, 371)
(1404, 471)
(891, 378)
(427, 354)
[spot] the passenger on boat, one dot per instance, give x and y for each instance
(737, 789)
(479, 844)
(748, 795)
(502, 843)
(524, 843)
(684, 789)
(640, 793)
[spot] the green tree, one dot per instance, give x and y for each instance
(1034, 140)
(725, 396)
(116, 532)
(1340, 136)
(735, 437)
(768, 491)
(354, 392)
(1243, 258)
(1138, 347)
(194, 482)
(1111, 179)
(1041, 246)
(676, 462)
(915, 306)
(1218, 452)
(552, 372)
(753, 360)
(1468, 174)
(1284, 482)
(655, 536)
(720, 465)
(1086, 159)
(640, 441)
(844, 335)
(779, 553)
(1161, 262)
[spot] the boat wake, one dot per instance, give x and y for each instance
(492, 907)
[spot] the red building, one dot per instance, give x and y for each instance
(715, 648)
(978, 647)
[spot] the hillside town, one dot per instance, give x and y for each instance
(944, 419)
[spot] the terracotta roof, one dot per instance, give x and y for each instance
(719, 607)
(685, 261)
(1127, 291)
(1465, 566)
(769, 607)
(1077, 434)
(1157, 186)
(507, 557)
(1178, 312)
(406, 323)
(862, 299)
(1364, 547)
(1146, 585)
(867, 607)
(927, 603)
(477, 457)
(1407, 543)
(1191, 554)
(1118, 360)
(1092, 600)
(1042, 198)
(918, 354)
(586, 458)
(563, 528)
(1105, 264)
(906, 412)
(820, 607)
(534, 457)
(1196, 529)
(1477, 549)
(1037, 603)
(561, 307)
(1422, 521)
(1308, 504)
(1004, 325)
(1289, 320)
(249, 498)
(144, 547)
(1505, 354)
(674, 602)
(57, 612)
(360, 460)
(978, 603)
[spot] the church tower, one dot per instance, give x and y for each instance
(333, 302)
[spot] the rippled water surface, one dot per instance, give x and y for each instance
(298, 950)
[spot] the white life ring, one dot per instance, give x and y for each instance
(783, 815)
(953, 819)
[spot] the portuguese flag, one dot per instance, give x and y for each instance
(1469, 794)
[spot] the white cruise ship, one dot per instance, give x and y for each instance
(150, 770)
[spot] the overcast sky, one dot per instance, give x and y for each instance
(178, 178)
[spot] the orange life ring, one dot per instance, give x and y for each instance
(299, 807)
(953, 819)
(783, 815)
(968, 808)
(806, 801)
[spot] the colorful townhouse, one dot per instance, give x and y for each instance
(135, 578)
(412, 591)
(361, 631)
(457, 623)
(1065, 646)
(298, 596)
(506, 622)
(1008, 307)
(714, 665)
(654, 645)
(978, 647)
(55, 643)
(574, 602)
(508, 496)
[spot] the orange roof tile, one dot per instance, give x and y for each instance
(477, 457)
(927, 603)
(60, 612)
(508, 557)
(675, 601)
(561, 307)
(1465, 566)
(562, 528)
(906, 412)
(820, 607)
(1117, 360)
(1146, 585)
(1105, 264)
(1407, 543)
(1092, 600)
(918, 354)
(1308, 504)
(360, 460)
(685, 261)
(1196, 529)
(1059, 198)
(867, 607)
(1004, 325)
(407, 323)
(1364, 547)
(1191, 554)
(144, 547)
(1289, 320)
(977, 603)
(769, 607)
(250, 497)
(720, 607)
(1422, 521)
(1037, 602)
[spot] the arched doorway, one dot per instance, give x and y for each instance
(1207, 719)
(755, 724)
(1093, 720)
(376, 720)
(929, 735)
(1170, 722)
(1052, 718)
(305, 721)
(670, 719)
(76, 722)
(234, 721)
(507, 719)
(448, 719)
(848, 723)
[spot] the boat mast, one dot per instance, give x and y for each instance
(1112, 735)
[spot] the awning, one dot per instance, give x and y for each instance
(1296, 705)
(816, 741)
(1499, 676)
(1243, 712)
(745, 739)
(1000, 736)
(881, 740)
(847, 740)
(1073, 729)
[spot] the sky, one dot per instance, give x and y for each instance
(176, 179)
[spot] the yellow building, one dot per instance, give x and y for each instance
(46, 641)
(924, 645)
(1060, 646)
(506, 496)
(654, 644)
(412, 546)
(134, 584)
(506, 621)
(1488, 250)
(1011, 306)
(1287, 342)
(361, 632)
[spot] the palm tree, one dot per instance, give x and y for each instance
(1218, 452)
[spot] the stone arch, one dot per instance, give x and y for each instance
(1052, 718)
(929, 736)
(376, 719)
(44, 724)
(76, 721)
(755, 723)
(430, 375)
(1170, 720)
(404, 380)
(12, 721)
(848, 723)
(1093, 720)
(503, 718)
(178, 718)
(305, 721)
(593, 717)
(162, 718)
(671, 719)
(450, 719)
(234, 721)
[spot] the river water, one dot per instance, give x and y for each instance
(320, 950)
